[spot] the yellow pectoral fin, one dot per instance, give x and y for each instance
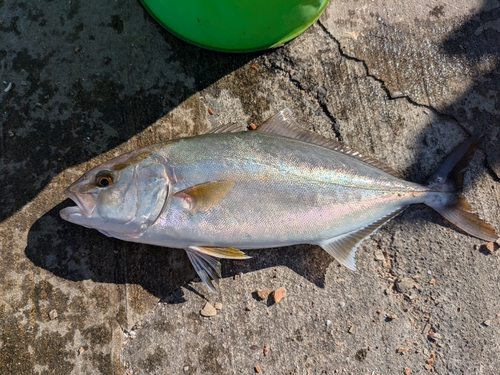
(204, 196)
(221, 252)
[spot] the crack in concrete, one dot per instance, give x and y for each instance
(384, 86)
(321, 104)
(444, 116)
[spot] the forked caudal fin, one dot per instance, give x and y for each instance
(449, 178)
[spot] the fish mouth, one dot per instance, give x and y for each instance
(85, 203)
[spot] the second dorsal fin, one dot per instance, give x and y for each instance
(284, 125)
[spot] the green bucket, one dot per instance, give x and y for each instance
(236, 25)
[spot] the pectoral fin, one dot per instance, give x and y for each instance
(343, 247)
(204, 196)
(203, 259)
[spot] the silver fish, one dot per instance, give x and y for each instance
(279, 185)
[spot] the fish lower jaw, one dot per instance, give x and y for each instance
(68, 212)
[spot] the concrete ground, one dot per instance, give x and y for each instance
(402, 81)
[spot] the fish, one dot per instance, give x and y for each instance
(219, 193)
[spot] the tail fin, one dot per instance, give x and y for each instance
(449, 178)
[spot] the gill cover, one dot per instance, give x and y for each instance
(135, 199)
(122, 197)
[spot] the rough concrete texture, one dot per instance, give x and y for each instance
(402, 81)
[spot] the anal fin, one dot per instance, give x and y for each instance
(206, 265)
(343, 247)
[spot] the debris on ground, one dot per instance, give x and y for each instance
(208, 310)
(263, 293)
(53, 314)
(279, 294)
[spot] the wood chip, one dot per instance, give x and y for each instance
(208, 310)
(252, 126)
(254, 67)
(263, 293)
(257, 369)
(402, 350)
(210, 111)
(279, 294)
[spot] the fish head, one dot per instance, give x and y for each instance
(121, 197)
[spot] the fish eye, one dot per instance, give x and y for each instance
(104, 179)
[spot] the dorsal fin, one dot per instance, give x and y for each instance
(284, 125)
(232, 127)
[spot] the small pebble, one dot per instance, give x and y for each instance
(435, 336)
(208, 310)
(328, 323)
(392, 316)
(263, 293)
(24, 83)
(379, 255)
(342, 304)
(491, 247)
(265, 350)
(487, 323)
(81, 350)
(186, 368)
(53, 314)
(404, 285)
(432, 281)
(406, 371)
(218, 306)
(279, 294)
(402, 350)
(254, 347)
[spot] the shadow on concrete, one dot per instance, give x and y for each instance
(475, 40)
(48, 125)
